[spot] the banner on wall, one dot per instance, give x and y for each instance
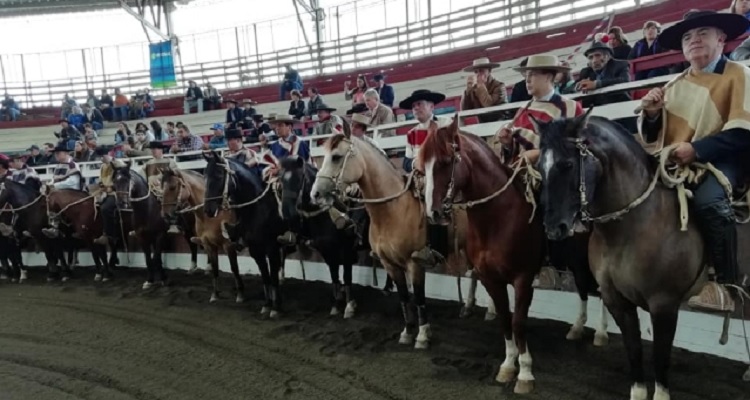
(162, 65)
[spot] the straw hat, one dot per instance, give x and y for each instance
(543, 61)
(249, 101)
(483, 62)
(361, 119)
(282, 118)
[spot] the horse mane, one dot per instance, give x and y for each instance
(335, 140)
(436, 147)
(246, 172)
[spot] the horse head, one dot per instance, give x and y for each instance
(296, 182)
(570, 173)
(217, 185)
(174, 192)
(342, 166)
(121, 181)
(443, 160)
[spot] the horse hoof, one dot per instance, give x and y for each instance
(574, 333)
(601, 339)
(207, 270)
(265, 310)
(334, 311)
(239, 299)
(65, 278)
(14, 280)
(50, 279)
(421, 344)
(466, 312)
(3, 277)
(193, 269)
(147, 285)
(274, 314)
(746, 377)
(214, 298)
(406, 338)
(106, 279)
(523, 387)
(351, 308)
(24, 277)
(506, 375)
(97, 278)
(488, 316)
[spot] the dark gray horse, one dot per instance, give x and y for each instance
(593, 167)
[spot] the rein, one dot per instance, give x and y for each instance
(225, 200)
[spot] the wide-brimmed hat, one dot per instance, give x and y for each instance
(378, 77)
(421, 95)
(599, 46)
(733, 25)
(357, 108)
(249, 101)
(483, 62)
(62, 147)
(324, 107)
(544, 62)
(233, 134)
(282, 118)
(361, 119)
(231, 101)
(157, 145)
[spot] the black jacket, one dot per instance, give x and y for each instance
(615, 72)
(297, 110)
(234, 116)
(622, 52)
(195, 93)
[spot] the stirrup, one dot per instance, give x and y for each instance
(713, 297)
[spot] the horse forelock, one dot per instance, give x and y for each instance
(435, 146)
(334, 142)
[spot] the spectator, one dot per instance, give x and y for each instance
(186, 141)
(67, 106)
(234, 115)
(89, 149)
(297, 106)
(35, 158)
(292, 81)
(49, 154)
(91, 99)
(564, 82)
(120, 111)
(213, 97)
(619, 43)
(107, 105)
(76, 118)
(327, 121)
(519, 92)
(9, 109)
(88, 131)
(171, 130)
(122, 134)
(386, 93)
(78, 153)
(260, 128)
(142, 104)
(247, 114)
(741, 7)
(217, 140)
(314, 103)
(603, 71)
(141, 129)
(193, 98)
(356, 94)
(742, 52)
(649, 46)
(93, 116)
(483, 90)
(68, 134)
(160, 134)
(379, 113)
(137, 147)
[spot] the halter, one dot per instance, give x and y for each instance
(450, 193)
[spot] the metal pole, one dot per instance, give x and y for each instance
(257, 53)
(85, 69)
(104, 73)
(239, 55)
(429, 21)
(338, 35)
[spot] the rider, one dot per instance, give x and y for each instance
(153, 170)
(107, 200)
(237, 151)
(66, 175)
(22, 173)
(545, 105)
(422, 103)
(327, 122)
(705, 112)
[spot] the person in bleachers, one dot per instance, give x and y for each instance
(122, 134)
(327, 121)
(36, 158)
(76, 118)
(564, 82)
(483, 90)
(234, 117)
(171, 130)
(260, 127)
(160, 134)
(292, 81)
(378, 112)
(88, 131)
(248, 111)
(314, 103)
(217, 140)
(386, 93)
(519, 92)
(143, 129)
(649, 46)
(121, 108)
(357, 93)
(619, 43)
(68, 134)
(142, 104)
(91, 99)
(107, 105)
(741, 7)
(67, 106)
(193, 98)
(297, 106)
(93, 116)
(9, 109)
(603, 71)
(48, 157)
(187, 141)
(212, 97)
(23, 173)
(742, 52)
(138, 146)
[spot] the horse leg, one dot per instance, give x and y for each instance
(664, 324)
(625, 315)
(399, 278)
(213, 260)
(193, 256)
(146, 247)
(471, 297)
(351, 304)
(51, 255)
(498, 292)
(99, 260)
(158, 261)
(524, 294)
(425, 332)
(276, 262)
(601, 337)
(333, 268)
(262, 263)
(576, 331)
(238, 284)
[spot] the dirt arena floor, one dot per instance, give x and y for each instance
(82, 340)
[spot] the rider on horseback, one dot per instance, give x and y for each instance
(22, 173)
(66, 175)
(706, 113)
(422, 103)
(107, 201)
(153, 170)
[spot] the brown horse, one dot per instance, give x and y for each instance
(183, 192)
(397, 220)
(503, 246)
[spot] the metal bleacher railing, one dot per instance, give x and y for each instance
(247, 65)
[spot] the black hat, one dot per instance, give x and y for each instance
(33, 147)
(378, 77)
(257, 117)
(62, 147)
(231, 101)
(598, 46)
(103, 150)
(421, 94)
(324, 107)
(157, 145)
(233, 134)
(358, 108)
(733, 25)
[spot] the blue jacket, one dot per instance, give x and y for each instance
(217, 142)
(387, 95)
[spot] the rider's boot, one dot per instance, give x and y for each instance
(436, 249)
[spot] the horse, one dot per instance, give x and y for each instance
(337, 247)
(502, 245)
(29, 208)
(594, 170)
(183, 193)
(134, 196)
(10, 252)
(397, 221)
(77, 210)
(234, 185)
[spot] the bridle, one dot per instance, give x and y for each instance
(129, 193)
(583, 152)
(336, 179)
(451, 191)
(226, 202)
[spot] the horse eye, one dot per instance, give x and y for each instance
(336, 158)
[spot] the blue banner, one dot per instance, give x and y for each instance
(162, 65)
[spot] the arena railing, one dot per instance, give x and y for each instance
(614, 111)
(463, 28)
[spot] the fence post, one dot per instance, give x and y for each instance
(239, 56)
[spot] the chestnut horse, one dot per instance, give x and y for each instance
(504, 248)
(397, 220)
(183, 192)
(594, 170)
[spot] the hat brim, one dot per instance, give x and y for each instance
(283, 120)
(473, 68)
(329, 109)
(733, 25)
(607, 49)
(434, 98)
(556, 68)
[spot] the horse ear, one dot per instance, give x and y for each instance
(299, 162)
(347, 129)
(453, 127)
(583, 120)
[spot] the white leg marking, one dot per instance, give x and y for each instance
(508, 369)
(548, 160)
(638, 392)
(429, 185)
(661, 393)
(423, 337)
(524, 360)
(576, 331)
(601, 337)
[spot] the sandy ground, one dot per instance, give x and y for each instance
(82, 340)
